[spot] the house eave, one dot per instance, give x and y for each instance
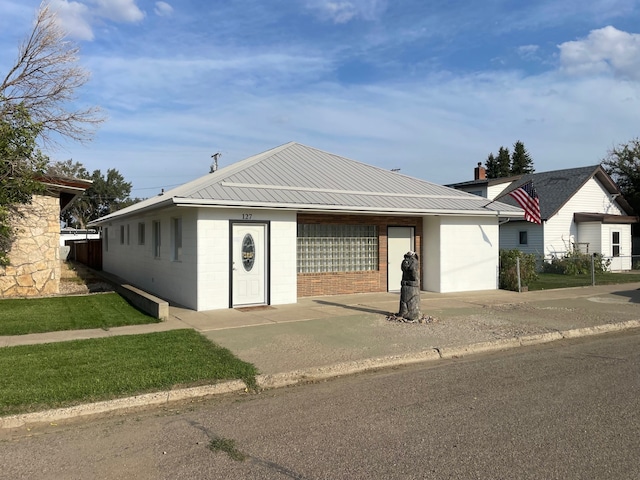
(604, 218)
(189, 202)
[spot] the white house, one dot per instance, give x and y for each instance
(581, 208)
(295, 221)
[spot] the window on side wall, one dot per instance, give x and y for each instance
(121, 234)
(523, 238)
(106, 239)
(156, 239)
(141, 233)
(337, 248)
(176, 239)
(615, 244)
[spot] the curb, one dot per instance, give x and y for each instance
(279, 380)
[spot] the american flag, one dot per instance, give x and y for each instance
(527, 198)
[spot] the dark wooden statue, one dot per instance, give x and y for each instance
(410, 287)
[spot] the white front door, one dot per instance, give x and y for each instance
(249, 264)
(400, 240)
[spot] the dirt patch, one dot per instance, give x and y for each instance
(78, 279)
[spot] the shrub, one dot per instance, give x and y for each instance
(508, 269)
(576, 263)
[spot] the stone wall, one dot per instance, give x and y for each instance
(35, 254)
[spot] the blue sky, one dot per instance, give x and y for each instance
(430, 87)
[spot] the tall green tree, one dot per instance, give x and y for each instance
(108, 192)
(22, 166)
(491, 165)
(622, 163)
(521, 161)
(504, 162)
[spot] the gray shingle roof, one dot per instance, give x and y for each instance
(299, 177)
(555, 188)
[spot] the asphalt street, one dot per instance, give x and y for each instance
(563, 410)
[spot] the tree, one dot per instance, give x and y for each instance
(622, 163)
(21, 167)
(44, 81)
(504, 162)
(106, 194)
(521, 161)
(491, 165)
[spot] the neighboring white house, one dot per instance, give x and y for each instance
(295, 221)
(581, 208)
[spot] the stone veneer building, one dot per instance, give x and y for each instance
(34, 268)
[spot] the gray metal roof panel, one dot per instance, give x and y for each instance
(296, 174)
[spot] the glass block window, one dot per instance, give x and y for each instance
(337, 248)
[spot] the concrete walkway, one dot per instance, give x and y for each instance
(321, 337)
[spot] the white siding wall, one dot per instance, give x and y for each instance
(510, 237)
(494, 191)
(213, 255)
(590, 237)
(213, 259)
(284, 278)
(469, 260)
(431, 254)
(560, 230)
(164, 277)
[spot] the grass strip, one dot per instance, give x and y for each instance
(38, 315)
(548, 281)
(37, 377)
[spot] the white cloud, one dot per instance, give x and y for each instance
(606, 50)
(119, 10)
(163, 9)
(74, 17)
(528, 52)
(77, 18)
(343, 11)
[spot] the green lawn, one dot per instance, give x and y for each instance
(36, 377)
(37, 315)
(547, 281)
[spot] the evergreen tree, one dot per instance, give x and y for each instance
(491, 165)
(521, 161)
(504, 162)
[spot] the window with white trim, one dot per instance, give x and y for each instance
(523, 238)
(156, 239)
(176, 239)
(337, 248)
(615, 244)
(121, 234)
(141, 233)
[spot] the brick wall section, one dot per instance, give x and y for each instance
(338, 283)
(35, 254)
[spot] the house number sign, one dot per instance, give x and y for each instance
(248, 252)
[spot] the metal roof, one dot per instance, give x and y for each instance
(302, 178)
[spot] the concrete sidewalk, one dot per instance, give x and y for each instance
(325, 331)
(321, 337)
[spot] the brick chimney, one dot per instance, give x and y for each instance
(479, 173)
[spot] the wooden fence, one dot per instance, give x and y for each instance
(87, 252)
